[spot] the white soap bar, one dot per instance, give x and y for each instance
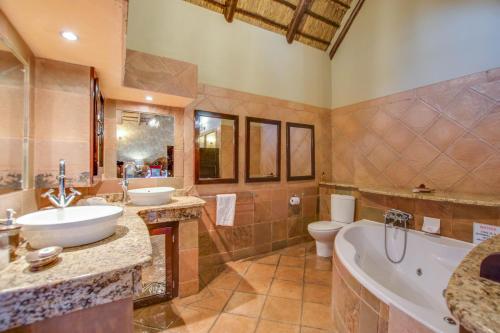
(431, 225)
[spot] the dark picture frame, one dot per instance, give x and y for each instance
(248, 178)
(289, 176)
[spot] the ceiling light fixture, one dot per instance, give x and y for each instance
(69, 35)
(149, 98)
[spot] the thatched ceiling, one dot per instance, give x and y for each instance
(312, 22)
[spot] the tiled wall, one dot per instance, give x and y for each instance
(165, 75)
(62, 122)
(456, 219)
(264, 220)
(445, 135)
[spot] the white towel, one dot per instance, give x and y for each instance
(226, 206)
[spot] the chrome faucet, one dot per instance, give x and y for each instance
(397, 218)
(61, 201)
(124, 183)
(10, 217)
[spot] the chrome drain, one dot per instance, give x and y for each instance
(449, 320)
(419, 272)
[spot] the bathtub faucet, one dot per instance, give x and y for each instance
(397, 218)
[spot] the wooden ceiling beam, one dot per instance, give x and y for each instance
(298, 15)
(346, 27)
(310, 13)
(323, 19)
(230, 9)
(341, 4)
(279, 26)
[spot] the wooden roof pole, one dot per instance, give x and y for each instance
(298, 15)
(230, 9)
(345, 29)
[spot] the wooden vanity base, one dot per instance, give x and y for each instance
(111, 317)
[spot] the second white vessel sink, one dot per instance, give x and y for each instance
(70, 226)
(151, 196)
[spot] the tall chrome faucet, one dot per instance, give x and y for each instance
(124, 182)
(61, 201)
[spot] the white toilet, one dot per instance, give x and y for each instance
(342, 213)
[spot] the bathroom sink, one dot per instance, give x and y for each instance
(70, 226)
(151, 196)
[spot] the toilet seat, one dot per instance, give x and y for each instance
(325, 226)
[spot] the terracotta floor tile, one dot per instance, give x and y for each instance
(215, 301)
(286, 289)
(282, 310)
(144, 329)
(266, 326)
(294, 251)
(316, 293)
(260, 271)
(239, 267)
(319, 263)
(245, 304)
(316, 315)
(292, 261)
(228, 323)
(290, 273)
(160, 315)
(228, 281)
(304, 329)
(269, 260)
(255, 285)
(318, 277)
(193, 321)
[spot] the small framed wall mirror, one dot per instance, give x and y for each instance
(216, 148)
(262, 150)
(145, 144)
(14, 74)
(300, 151)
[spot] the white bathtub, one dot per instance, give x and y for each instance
(360, 248)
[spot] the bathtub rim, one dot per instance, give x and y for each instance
(347, 252)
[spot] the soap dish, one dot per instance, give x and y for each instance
(43, 257)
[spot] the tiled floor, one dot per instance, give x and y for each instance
(283, 292)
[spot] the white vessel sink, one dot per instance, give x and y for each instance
(71, 226)
(151, 196)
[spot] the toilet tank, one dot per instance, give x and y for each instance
(342, 208)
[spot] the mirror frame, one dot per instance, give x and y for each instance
(289, 177)
(235, 118)
(249, 179)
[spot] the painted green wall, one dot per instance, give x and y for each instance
(237, 56)
(396, 45)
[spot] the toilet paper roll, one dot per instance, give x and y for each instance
(294, 201)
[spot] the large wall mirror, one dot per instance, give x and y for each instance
(300, 151)
(145, 145)
(12, 126)
(216, 148)
(262, 150)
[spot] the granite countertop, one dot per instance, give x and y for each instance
(473, 300)
(85, 276)
(470, 199)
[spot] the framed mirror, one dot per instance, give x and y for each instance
(145, 144)
(300, 160)
(13, 149)
(262, 150)
(216, 148)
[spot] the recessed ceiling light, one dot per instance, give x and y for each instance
(149, 98)
(69, 35)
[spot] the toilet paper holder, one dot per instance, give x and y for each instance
(294, 200)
